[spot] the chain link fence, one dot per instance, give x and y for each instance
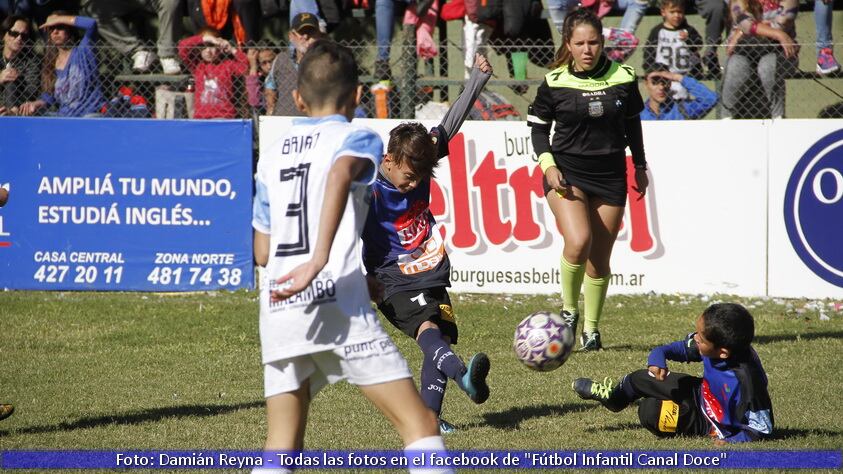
(756, 82)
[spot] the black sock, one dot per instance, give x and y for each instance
(440, 354)
(433, 383)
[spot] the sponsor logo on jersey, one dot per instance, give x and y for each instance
(426, 257)
(322, 289)
(412, 226)
(813, 204)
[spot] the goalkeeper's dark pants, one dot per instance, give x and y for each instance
(669, 407)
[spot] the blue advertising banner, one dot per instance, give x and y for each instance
(147, 205)
(361, 459)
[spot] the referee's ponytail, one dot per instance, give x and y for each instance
(572, 20)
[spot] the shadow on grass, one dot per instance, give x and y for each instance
(143, 416)
(511, 419)
(790, 337)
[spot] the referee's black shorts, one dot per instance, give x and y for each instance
(596, 176)
(407, 311)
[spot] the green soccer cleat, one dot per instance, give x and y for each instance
(591, 342)
(607, 393)
(473, 382)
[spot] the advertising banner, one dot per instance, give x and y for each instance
(148, 205)
(806, 208)
(700, 229)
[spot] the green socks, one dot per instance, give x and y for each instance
(595, 296)
(572, 276)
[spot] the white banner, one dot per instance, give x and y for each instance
(806, 208)
(701, 229)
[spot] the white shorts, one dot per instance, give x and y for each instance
(365, 363)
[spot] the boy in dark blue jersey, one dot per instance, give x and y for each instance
(404, 252)
(730, 401)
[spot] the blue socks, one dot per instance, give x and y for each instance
(440, 364)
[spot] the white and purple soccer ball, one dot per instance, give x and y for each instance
(543, 341)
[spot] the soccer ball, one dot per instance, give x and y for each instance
(543, 341)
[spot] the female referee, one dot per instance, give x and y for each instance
(595, 103)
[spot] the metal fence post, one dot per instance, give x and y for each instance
(407, 81)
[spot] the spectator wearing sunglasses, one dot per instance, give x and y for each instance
(70, 80)
(19, 66)
(662, 106)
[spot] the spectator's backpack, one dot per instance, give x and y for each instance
(492, 106)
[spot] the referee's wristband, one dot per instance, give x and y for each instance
(546, 161)
(641, 166)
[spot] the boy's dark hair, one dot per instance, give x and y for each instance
(663, 4)
(410, 142)
(728, 325)
(327, 75)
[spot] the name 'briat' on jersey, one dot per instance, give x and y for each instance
(291, 181)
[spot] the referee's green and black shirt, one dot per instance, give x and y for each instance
(590, 108)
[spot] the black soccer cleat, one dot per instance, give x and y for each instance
(591, 342)
(474, 379)
(571, 319)
(608, 394)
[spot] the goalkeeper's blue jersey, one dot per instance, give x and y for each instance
(733, 395)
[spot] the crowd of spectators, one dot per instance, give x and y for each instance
(50, 64)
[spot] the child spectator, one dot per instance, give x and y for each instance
(730, 401)
(675, 44)
(661, 106)
(403, 251)
(316, 323)
(214, 63)
(260, 63)
(19, 66)
(70, 79)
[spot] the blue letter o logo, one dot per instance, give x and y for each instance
(813, 208)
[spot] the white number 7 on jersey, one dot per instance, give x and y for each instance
(419, 299)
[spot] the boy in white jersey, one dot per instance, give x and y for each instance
(317, 326)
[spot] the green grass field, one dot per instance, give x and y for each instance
(149, 371)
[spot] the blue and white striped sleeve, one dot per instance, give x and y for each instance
(260, 208)
(363, 143)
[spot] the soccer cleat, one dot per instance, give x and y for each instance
(142, 60)
(571, 319)
(826, 64)
(6, 410)
(474, 379)
(170, 66)
(445, 427)
(607, 393)
(591, 342)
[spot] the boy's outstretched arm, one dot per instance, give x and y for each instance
(342, 173)
(457, 113)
